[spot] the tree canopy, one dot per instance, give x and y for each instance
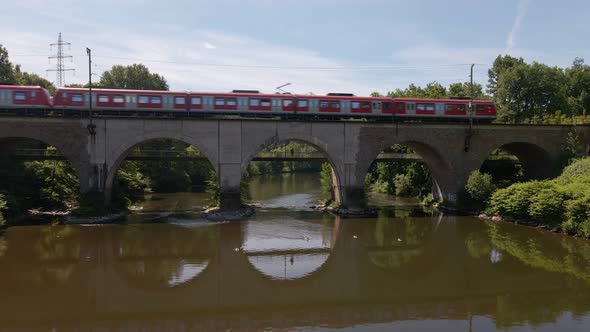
(136, 76)
(12, 74)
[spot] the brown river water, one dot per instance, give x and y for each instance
(290, 268)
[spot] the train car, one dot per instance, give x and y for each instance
(111, 101)
(444, 109)
(23, 98)
(249, 102)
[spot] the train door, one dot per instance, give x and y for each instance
(314, 106)
(276, 105)
(131, 101)
(376, 107)
(411, 108)
(345, 107)
(208, 103)
(440, 109)
(242, 104)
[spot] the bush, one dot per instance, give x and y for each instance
(574, 172)
(515, 200)
(3, 208)
(480, 186)
(403, 185)
(547, 206)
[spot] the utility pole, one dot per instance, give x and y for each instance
(60, 56)
(470, 130)
(91, 126)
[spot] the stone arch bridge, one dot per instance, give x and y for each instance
(451, 151)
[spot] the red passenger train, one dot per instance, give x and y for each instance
(68, 101)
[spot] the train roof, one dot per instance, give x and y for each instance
(456, 101)
(21, 87)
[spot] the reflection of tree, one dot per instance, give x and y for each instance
(59, 249)
(517, 310)
(397, 242)
(551, 253)
(478, 245)
(161, 254)
(3, 246)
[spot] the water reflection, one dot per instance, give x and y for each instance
(407, 269)
(163, 255)
(287, 247)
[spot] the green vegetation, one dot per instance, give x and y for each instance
(402, 178)
(563, 202)
(10, 73)
(480, 187)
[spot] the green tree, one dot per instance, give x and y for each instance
(6, 68)
(463, 90)
(136, 76)
(578, 88)
(528, 92)
(501, 64)
(24, 78)
(480, 186)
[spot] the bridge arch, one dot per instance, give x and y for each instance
(537, 162)
(319, 145)
(440, 168)
(122, 151)
(69, 151)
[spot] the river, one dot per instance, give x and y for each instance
(290, 268)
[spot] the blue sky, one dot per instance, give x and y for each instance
(319, 46)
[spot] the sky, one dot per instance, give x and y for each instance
(318, 46)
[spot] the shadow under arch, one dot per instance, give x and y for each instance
(9, 143)
(124, 150)
(337, 172)
(438, 166)
(536, 161)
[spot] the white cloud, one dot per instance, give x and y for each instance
(520, 15)
(209, 46)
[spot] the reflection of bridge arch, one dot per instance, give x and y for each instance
(274, 264)
(138, 257)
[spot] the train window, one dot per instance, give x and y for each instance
(302, 103)
(480, 108)
(355, 105)
(254, 102)
(219, 101)
(387, 106)
(144, 99)
(103, 99)
(450, 108)
(118, 99)
(77, 98)
(33, 93)
(366, 105)
(335, 104)
(64, 94)
(287, 102)
(179, 100)
(265, 102)
(196, 100)
(461, 108)
(20, 96)
(376, 105)
(401, 106)
(323, 104)
(155, 100)
(231, 102)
